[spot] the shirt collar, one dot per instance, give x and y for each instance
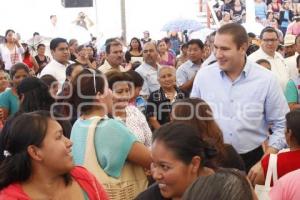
(60, 64)
(276, 55)
(106, 63)
(191, 64)
(245, 71)
(158, 66)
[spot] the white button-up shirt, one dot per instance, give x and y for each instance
(186, 72)
(291, 63)
(278, 66)
(150, 76)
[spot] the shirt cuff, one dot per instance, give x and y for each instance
(277, 142)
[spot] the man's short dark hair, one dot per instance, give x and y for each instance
(268, 30)
(184, 45)
(56, 41)
(167, 40)
(251, 35)
(292, 123)
(237, 31)
(260, 61)
(35, 33)
(110, 44)
(51, 16)
(136, 78)
(197, 42)
(109, 40)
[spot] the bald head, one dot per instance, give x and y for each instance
(150, 53)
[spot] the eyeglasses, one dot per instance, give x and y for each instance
(270, 40)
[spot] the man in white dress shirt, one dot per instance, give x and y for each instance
(269, 43)
(291, 61)
(57, 66)
(149, 69)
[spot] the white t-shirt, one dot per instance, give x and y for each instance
(57, 70)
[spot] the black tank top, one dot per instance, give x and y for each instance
(42, 63)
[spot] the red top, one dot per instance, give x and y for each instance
(28, 61)
(85, 179)
(286, 162)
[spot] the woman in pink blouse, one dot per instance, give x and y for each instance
(166, 57)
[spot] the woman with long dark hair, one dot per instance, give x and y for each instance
(34, 95)
(41, 59)
(30, 169)
(29, 60)
(166, 57)
(179, 158)
(134, 52)
(9, 100)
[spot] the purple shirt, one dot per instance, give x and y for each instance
(169, 62)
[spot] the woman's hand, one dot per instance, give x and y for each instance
(254, 172)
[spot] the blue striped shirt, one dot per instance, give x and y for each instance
(244, 108)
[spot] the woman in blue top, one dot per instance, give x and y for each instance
(114, 143)
(261, 9)
(9, 100)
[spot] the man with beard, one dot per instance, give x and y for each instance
(149, 69)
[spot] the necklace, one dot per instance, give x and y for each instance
(171, 95)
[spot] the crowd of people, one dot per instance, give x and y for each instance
(154, 119)
(283, 15)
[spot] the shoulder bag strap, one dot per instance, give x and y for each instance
(90, 152)
(270, 171)
(275, 175)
